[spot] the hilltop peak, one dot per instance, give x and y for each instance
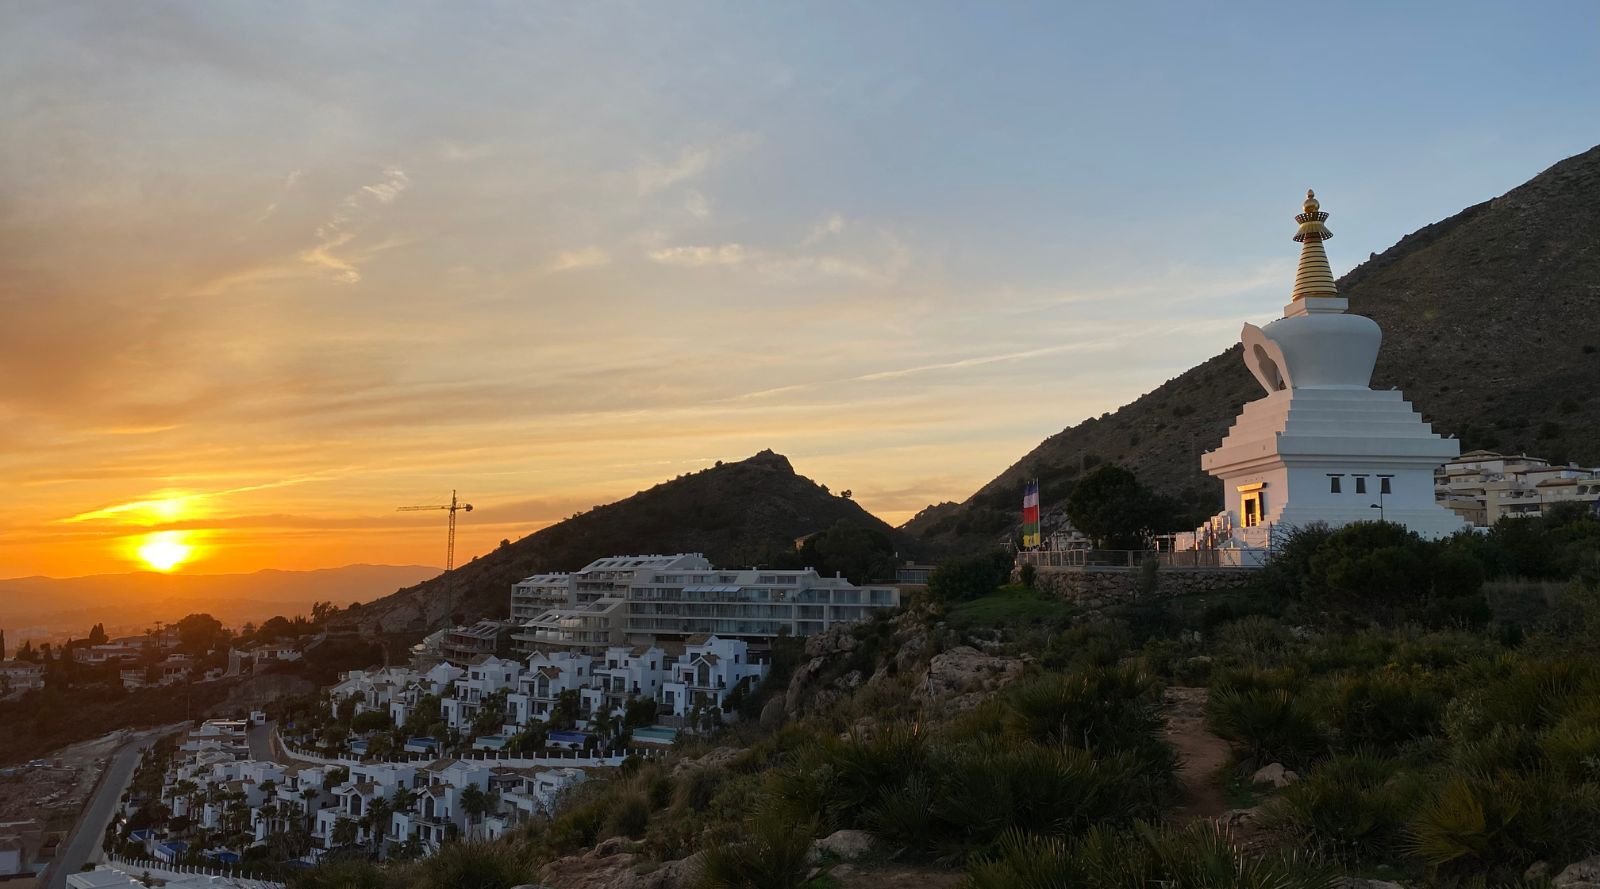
(1491, 328)
(743, 512)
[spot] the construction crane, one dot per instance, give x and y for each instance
(454, 507)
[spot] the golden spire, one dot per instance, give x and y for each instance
(1314, 277)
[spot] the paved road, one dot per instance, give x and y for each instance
(264, 746)
(84, 844)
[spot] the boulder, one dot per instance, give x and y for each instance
(846, 845)
(800, 684)
(961, 678)
(773, 714)
(1583, 874)
(1275, 774)
(718, 758)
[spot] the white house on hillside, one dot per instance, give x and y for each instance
(708, 672)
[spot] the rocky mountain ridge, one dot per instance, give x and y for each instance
(1491, 322)
(737, 514)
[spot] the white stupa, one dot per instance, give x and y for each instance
(1322, 446)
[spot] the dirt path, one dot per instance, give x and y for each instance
(1200, 753)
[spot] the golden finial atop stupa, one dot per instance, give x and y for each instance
(1314, 277)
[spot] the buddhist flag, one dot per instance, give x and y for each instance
(1030, 515)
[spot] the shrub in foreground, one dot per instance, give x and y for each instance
(1200, 856)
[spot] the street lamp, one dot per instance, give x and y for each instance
(1379, 505)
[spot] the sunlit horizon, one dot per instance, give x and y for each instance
(274, 270)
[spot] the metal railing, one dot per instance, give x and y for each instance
(1133, 559)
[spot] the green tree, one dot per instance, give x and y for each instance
(199, 633)
(1111, 507)
(97, 635)
(476, 803)
(860, 553)
(376, 821)
(370, 721)
(345, 832)
(970, 577)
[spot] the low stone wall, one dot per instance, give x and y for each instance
(1098, 587)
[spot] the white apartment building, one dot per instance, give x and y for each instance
(548, 675)
(439, 680)
(585, 629)
(485, 676)
(534, 595)
(528, 793)
(710, 669)
(752, 604)
(624, 674)
(643, 600)
(371, 689)
(610, 578)
(20, 676)
(1483, 486)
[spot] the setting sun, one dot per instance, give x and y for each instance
(164, 550)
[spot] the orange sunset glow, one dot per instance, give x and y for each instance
(271, 272)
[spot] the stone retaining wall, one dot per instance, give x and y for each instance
(1099, 587)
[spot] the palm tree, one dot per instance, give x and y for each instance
(475, 803)
(309, 794)
(344, 832)
(377, 822)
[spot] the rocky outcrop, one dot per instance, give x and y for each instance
(608, 866)
(720, 757)
(1275, 774)
(962, 678)
(836, 667)
(1583, 874)
(844, 845)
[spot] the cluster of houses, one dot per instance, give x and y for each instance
(1483, 486)
(218, 790)
(698, 680)
(17, 677)
(585, 646)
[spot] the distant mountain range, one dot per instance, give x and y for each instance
(1491, 324)
(44, 607)
(737, 514)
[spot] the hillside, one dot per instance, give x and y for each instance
(742, 513)
(43, 607)
(1491, 322)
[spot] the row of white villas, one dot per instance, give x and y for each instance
(670, 599)
(215, 783)
(703, 676)
(1484, 487)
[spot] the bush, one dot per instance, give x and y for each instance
(629, 816)
(1200, 856)
(973, 577)
(948, 799)
(1355, 803)
(1103, 710)
(344, 874)
(1383, 710)
(771, 854)
(1271, 725)
(473, 866)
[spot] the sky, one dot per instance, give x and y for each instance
(270, 270)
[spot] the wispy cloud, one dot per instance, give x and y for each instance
(691, 162)
(833, 225)
(697, 256)
(696, 205)
(583, 258)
